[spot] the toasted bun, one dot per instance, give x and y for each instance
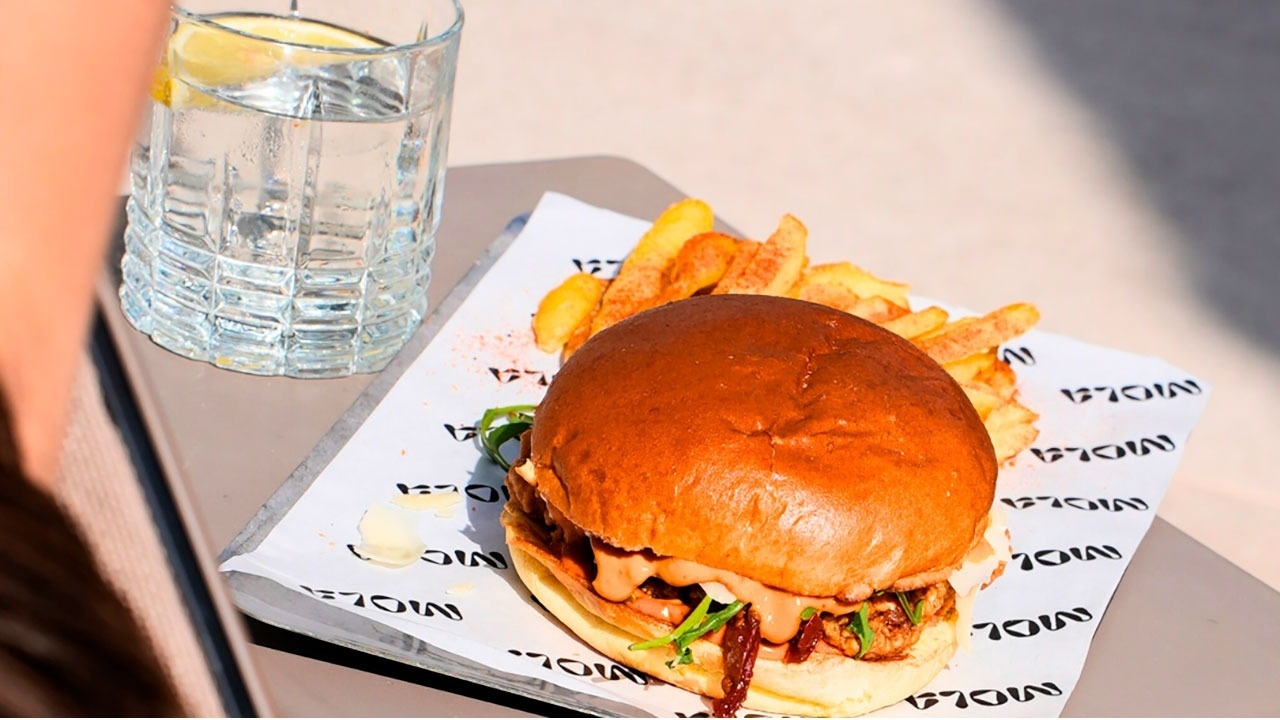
(777, 439)
(823, 685)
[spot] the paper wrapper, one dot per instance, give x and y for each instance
(1112, 428)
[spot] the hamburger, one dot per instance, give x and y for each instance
(765, 501)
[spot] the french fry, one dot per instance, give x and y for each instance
(639, 281)
(982, 399)
(877, 309)
(874, 309)
(950, 327)
(1000, 378)
(833, 296)
(966, 370)
(858, 281)
(701, 263)
(579, 335)
(988, 331)
(917, 323)
(1012, 430)
(564, 308)
(776, 265)
(742, 258)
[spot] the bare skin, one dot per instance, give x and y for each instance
(73, 79)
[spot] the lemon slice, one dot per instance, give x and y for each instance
(203, 55)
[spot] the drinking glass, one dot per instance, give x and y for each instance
(287, 183)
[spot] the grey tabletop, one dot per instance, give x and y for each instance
(1186, 634)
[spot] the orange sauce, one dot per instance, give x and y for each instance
(619, 573)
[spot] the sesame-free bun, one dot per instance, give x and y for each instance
(825, 685)
(781, 440)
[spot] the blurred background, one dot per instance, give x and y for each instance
(1116, 163)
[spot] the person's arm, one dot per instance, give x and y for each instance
(73, 78)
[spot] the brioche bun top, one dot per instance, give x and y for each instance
(787, 442)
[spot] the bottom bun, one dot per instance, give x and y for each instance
(824, 685)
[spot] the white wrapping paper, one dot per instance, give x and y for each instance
(1112, 429)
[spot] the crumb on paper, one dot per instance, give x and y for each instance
(388, 537)
(460, 588)
(403, 451)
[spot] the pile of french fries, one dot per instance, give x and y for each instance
(681, 256)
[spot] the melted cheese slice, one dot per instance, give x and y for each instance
(979, 566)
(985, 558)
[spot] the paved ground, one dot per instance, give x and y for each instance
(1115, 163)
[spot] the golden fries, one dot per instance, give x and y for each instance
(578, 336)
(639, 281)
(680, 256)
(742, 258)
(877, 309)
(999, 377)
(699, 264)
(564, 308)
(917, 323)
(1012, 429)
(777, 264)
(983, 399)
(966, 369)
(833, 296)
(858, 281)
(978, 334)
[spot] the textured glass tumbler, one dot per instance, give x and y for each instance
(286, 186)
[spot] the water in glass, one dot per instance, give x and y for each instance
(284, 225)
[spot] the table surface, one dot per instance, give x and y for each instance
(1187, 633)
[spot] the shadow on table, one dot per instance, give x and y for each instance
(1187, 89)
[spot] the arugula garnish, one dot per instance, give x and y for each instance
(862, 628)
(808, 613)
(698, 623)
(517, 419)
(914, 612)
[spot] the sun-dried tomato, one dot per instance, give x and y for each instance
(806, 640)
(740, 646)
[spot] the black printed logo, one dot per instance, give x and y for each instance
(1030, 627)
(578, 668)
(1054, 558)
(1129, 448)
(984, 698)
(475, 491)
(595, 265)
(461, 432)
(1138, 393)
(388, 604)
(493, 559)
(510, 375)
(1018, 355)
(1077, 503)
